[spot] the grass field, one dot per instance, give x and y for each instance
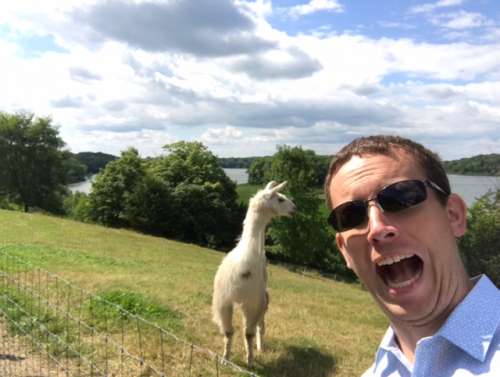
(316, 326)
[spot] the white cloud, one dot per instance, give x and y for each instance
(226, 135)
(315, 6)
(429, 7)
(147, 142)
(110, 89)
(464, 20)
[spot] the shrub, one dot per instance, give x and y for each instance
(480, 246)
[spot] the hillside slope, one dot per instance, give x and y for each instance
(316, 327)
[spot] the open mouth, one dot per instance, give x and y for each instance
(400, 271)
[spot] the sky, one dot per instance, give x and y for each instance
(245, 77)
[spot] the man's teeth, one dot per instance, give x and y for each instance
(391, 260)
(404, 284)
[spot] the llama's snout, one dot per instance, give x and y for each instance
(291, 210)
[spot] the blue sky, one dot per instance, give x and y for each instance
(246, 76)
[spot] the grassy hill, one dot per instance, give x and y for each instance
(315, 326)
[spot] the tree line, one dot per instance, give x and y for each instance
(483, 164)
(186, 195)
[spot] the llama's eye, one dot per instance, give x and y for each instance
(281, 200)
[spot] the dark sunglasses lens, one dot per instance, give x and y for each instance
(402, 195)
(348, 215)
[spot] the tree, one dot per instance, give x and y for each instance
(113, 186)
(305, 238)
(94, 161)
(75, 171)
(184, 195)
(259, 171)
(32, 173)
(151, 208)
(206, 199)
(481, 243)
(77, 206)
(483, 164)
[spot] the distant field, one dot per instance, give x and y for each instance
(246, 191)
(316, 327)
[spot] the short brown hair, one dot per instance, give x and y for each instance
(386, 145)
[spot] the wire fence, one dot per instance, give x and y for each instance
(50, 327)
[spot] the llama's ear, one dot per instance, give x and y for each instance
(270, 185)
(280, 186)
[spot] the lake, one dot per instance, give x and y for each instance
(472, 187)
(240, 176)
(468, 187)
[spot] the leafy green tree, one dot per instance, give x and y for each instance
(74, 170)
(206, 198)
(94, 161)
(480, 246)
(483, 164)
(205, 217)
(259, 171)
(113, 186)
(236, 162)
(32, 173)
(77, 206)
(304, 238)
(183, 195)
(151, 208)
(189, 162)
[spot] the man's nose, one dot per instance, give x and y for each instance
(380, 229)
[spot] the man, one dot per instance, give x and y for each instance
(397, 228)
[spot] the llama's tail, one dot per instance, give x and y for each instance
(215, 311)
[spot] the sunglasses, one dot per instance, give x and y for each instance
(392, 198)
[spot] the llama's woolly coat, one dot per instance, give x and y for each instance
(242, 276)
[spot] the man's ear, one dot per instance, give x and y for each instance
(456, 210)
(342, 247)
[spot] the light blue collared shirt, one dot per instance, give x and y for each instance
(468, 344)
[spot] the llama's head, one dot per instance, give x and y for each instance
(269, 200)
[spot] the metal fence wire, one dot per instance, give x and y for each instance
(50, 327)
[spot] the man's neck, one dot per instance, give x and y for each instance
(408, 334)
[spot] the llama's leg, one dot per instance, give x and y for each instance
(250, 323)
(249, 335)
(252, 315)
(228, 342)
(261, 327)
(226, 328)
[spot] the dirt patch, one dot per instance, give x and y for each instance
(20, 358)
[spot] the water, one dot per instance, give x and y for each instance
(240, 176)
(471, 188)
(84, 186)
(468, 187)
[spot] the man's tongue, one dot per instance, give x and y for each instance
(401, 273)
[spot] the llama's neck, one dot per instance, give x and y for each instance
(254, 230)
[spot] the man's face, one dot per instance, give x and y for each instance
(408, 260)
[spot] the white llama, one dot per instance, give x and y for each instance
(242, 277)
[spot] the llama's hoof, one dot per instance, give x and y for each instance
(224, 362)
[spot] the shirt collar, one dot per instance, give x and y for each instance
(475, 320)
(470, 327)
(389, 345)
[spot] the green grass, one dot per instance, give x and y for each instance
(315, 326)
(246, 191)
